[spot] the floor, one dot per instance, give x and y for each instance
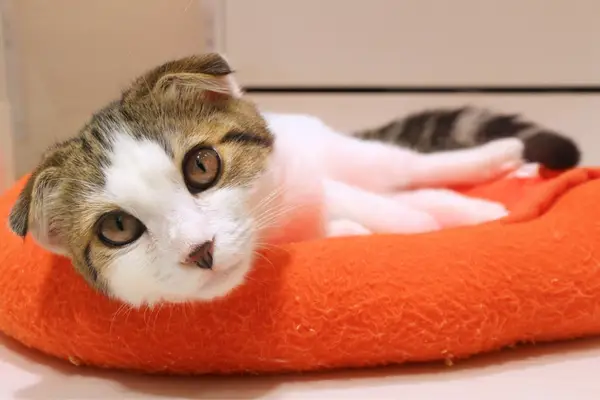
(556, 371)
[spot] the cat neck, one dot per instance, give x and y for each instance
(294, 190)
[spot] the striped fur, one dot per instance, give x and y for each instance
(455, 128)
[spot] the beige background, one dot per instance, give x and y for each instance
(414, 42)
(6, 132)
(66, 58)
(63, 59)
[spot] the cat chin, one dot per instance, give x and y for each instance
(224, 283)
(221, 283)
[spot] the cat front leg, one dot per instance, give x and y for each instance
(376, 213)
(452, 209)
(346, 227)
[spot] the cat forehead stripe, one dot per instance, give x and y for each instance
(247, 138)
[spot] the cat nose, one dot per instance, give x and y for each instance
(202, 255)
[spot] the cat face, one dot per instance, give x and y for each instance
(160, 196)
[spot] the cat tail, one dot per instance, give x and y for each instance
(458, 128)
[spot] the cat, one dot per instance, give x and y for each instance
(167, 193)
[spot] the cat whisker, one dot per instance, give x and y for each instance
(157, 312)
(267, 200)
(268, 219)
(274, 213)
(254, 280)
(262, 256)
(126, 310)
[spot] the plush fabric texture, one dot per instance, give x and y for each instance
(347, 302)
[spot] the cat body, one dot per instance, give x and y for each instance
(167, 194)
(361, 184)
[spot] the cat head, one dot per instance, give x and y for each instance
(158, 197)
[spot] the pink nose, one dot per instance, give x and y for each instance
(202, 255)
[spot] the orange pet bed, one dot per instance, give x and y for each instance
(348, 302)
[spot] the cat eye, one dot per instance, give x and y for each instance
(201, 168)
(117, 229)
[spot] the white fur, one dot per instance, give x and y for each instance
(361, 180)
(319, 182)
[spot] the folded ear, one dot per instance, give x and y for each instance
(37, 209)
(190, 76)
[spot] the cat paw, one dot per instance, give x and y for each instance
(503, 156)
(345, 227)
(482, 211)
(526, 171)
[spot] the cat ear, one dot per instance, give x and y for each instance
(183, 83)
(36, 210)
(190, 76)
